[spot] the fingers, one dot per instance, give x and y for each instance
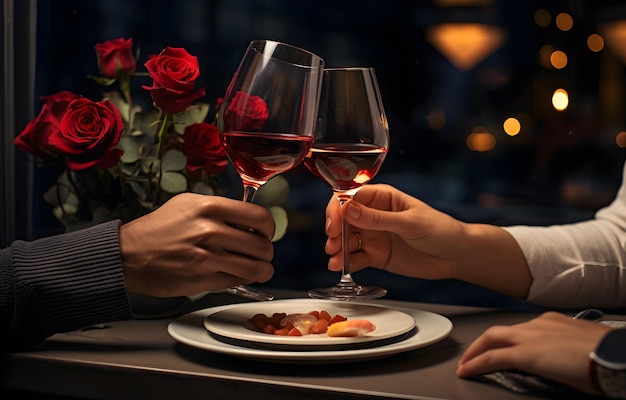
(487, 353)
(359, 243)
(244, 242)
(239, 213)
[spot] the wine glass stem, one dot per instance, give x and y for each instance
(248, 193)
(346, 278)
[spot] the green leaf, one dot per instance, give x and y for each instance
(174, 160)
(280, 219)
(192, 115)
(274, 192)
(119, 102)
(140, 189)
(151, 165)
(202, 188)
(61, 194)
(145, 122)
(103, 80)
(173, 182)
(131, 149)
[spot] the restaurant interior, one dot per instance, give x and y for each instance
(500, 111)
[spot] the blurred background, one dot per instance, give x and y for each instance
(500, 111)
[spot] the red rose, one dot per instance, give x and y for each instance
(174, 72)
(245, 112)
(88, 134)
(115, 57)
(34, 138)
(203, 148)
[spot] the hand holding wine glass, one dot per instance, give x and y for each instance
(268, 114)
(351, 142)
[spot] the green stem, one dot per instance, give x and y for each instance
(125, 89)
(162, 132)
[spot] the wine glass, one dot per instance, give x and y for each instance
(351, 142)
(268, 115)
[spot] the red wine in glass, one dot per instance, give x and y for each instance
(258, 157)
(345, 166)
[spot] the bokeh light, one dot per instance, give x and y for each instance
(620, 139)
(560, 99)
(544, 55)
(595, 42)
(436, 120)
(512, 126)
(558, 59)
(564, 22)
(480, 140)
(542, 18)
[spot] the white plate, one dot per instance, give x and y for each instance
(231, 321)
(430, 328)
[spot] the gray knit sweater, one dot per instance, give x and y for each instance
(59, 284)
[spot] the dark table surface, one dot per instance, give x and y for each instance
(139, 359)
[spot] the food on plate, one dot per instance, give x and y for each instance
(313, 322)
(355, 327)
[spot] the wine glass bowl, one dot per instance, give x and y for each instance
(268, 115)
(351, 143)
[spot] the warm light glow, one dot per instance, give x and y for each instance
(595, 42)
(560, 99)
(436, 120)
(511, 126)
(480, 140)
(564, 22)
(544, 55)
(465, 44)
(620, 139)
(558, 59)
(362, 177)
(542, 17)
(614, 33)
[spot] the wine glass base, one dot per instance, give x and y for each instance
(345, 293)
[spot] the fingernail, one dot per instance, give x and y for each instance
(354, 211)
(327, 224)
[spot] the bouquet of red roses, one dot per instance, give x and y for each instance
(120, 161)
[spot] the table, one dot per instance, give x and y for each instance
(138, 359)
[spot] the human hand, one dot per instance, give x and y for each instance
(192, 244)
(553, 346)
(405, 236)
(397, 233)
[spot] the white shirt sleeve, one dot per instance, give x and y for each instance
(578, 265)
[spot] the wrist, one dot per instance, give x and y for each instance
(607, 367)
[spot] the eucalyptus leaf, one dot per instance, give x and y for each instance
(128, 169)
(119, 102)
(192, 115)
(131, 149)
(173, 182)
(103, 80)
(202, 188)
(274, 192)
(145, 122)
(140, 189)
(61, 194)
(151, 165)
(280, 219)
(174, 160)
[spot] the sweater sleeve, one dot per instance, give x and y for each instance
(61, 283)
(578, 265)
